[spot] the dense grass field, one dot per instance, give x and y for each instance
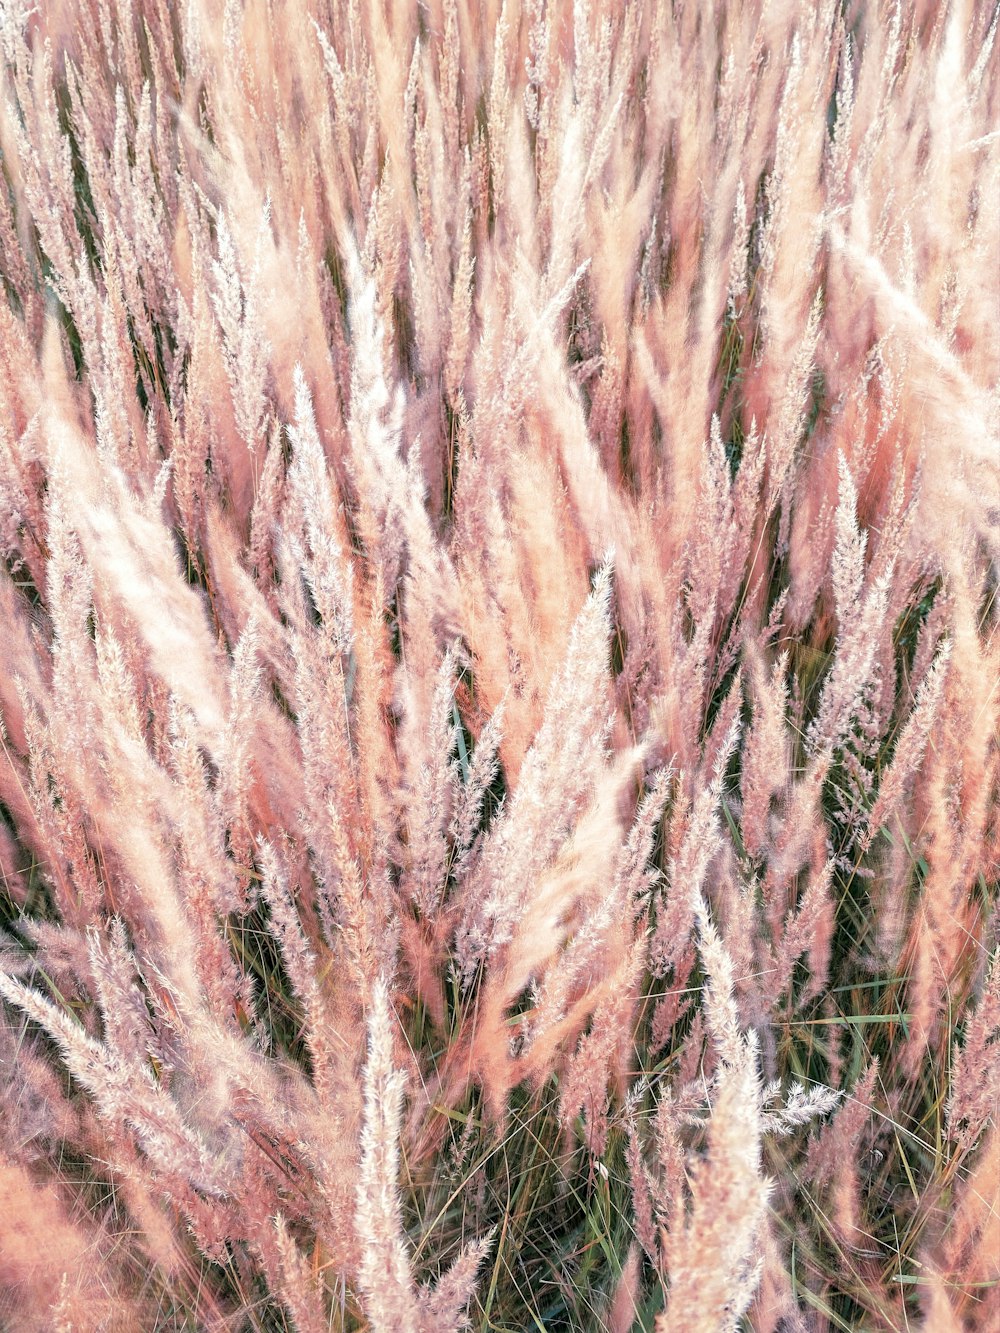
(499, 763)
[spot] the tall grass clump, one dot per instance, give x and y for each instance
(500, 747)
